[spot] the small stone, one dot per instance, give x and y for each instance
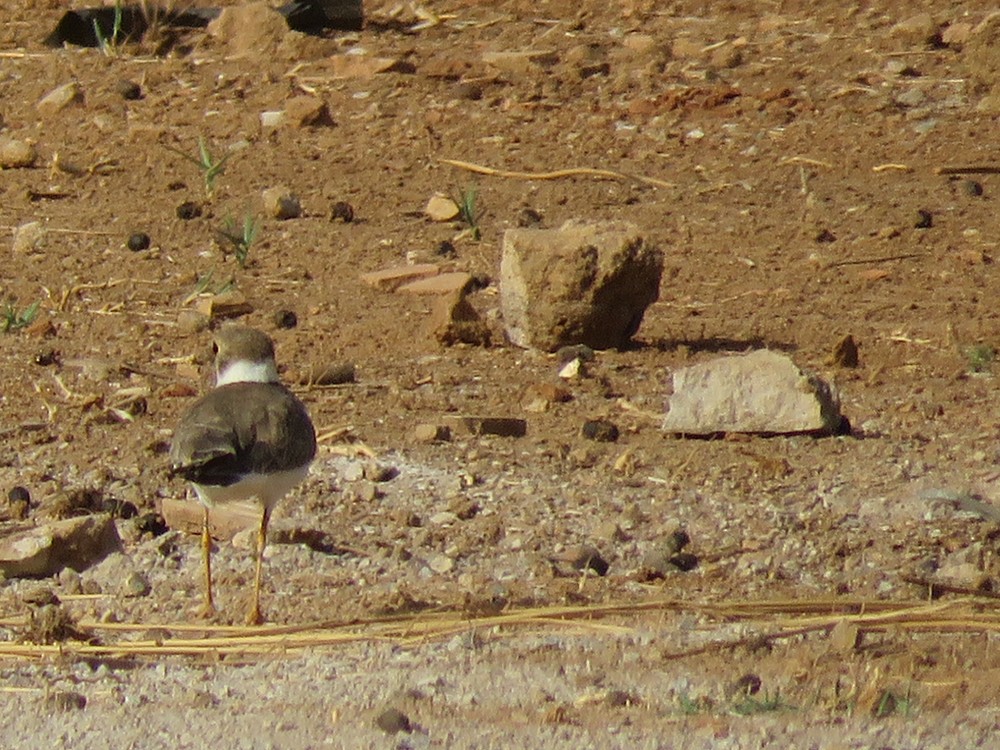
(913, 97)
(59, 98)
(469, 90)
(600, 430)
(747, 684)
(29, 238)
(441, 564)
(47, 358)
(17, 154)
(285, 319)
(454, 282)
(128, 90)
(188, 210)
(390, 279)
(392, 721)
(919, 29)
(342, 211)
(135, 585)
(845, 353)
(281, 204)
(45, 550)
(231, 304)
(307, 112)
(432, 433)
(925, 219)
(455, 321)
(138, 241)
(441, 208)
(39, 595)
(826, 236)
(577, 351)
(272, 119)
(844, 637)
(572, 369)
(19, 503)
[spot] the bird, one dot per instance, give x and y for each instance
(248, 438)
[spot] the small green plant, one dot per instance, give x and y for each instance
(467, 210)
(749, 705)
(12, 320)
(980, 357)
(210, 167)
(241, 238)
(110, 45)
(890, 703)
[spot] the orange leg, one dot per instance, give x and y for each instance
(208, 608)
(254, 616)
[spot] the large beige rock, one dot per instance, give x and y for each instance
(584, 283)
(45, 550)
(761, 392)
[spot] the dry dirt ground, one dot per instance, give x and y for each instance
(798, 148)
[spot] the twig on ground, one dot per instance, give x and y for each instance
(604, 174)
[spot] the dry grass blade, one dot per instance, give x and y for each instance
(604, 174)
(790, 617)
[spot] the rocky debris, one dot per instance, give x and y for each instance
(60, 701)
(45, 550)
(584, 283)
(192, 321)
(441, 208)
(446, 283)
(128, 90)
(18, 503)
(280, 203)
(188, 210)
(284, 319)
(390, 279)
(454, 321)
(502, 426)
(224, 520)
(667, 556)
(762, 392)
(59, 99)
(917, 30)
(17, 154)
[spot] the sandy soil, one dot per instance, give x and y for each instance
(801, 144)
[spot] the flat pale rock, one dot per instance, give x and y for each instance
(453, 282)
(583, 283)
(390, 279)
(761, 392)
(59, 99)
(45, 550)
(225, 521)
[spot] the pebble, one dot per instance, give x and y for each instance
(342, 211)
(441, 564)
(138, 241)
(59, 98)
(17, 154)
(432, 433)
(972, 188)
(925, 219)
(337, 374)
(585, 557)
(441, 208)
(29, 238)
(192, 321)
(65, 700)
(281, 203)
(600, 430)
(392, 721)
(135, 585)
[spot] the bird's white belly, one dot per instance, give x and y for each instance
(267, 489)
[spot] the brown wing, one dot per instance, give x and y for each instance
(242, 428)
